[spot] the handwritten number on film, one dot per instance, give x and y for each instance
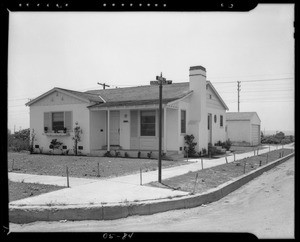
(112, 236)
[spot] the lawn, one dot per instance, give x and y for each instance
(215, 176)
(20, 190)
(81, 166)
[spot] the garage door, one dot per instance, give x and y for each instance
(255, 134)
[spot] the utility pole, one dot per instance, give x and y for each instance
(103, 85)
(238, 89)
(160, 81)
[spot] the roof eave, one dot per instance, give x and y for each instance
(59, 90)
(218, 95)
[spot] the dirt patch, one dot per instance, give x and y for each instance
(245, 149)
(80, 166)
(20, 190)
(203, 180)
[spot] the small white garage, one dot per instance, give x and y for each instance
(243, 128)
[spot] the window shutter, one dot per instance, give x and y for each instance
(68, 120)
(47, 121)
(133, 123)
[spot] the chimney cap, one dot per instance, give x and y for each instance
(197, 68)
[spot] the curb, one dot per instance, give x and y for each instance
(28, 214)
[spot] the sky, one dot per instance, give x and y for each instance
(75, 50)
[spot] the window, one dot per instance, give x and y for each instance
(147, 123)
(183, 121)
(221, 120)
(215, 117)
(58, 121)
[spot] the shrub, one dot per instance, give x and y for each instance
(219, 143)
(212, 150)
(54, 144)
(149, 154)
(227, 144)
(107, 154)
(18, 141)
(117, 153)
(189, 140)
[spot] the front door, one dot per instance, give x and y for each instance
(114, 132)
(209, 126)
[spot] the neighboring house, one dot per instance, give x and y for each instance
(243, 128)
(127, 118)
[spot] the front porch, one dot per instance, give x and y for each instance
(136, 128)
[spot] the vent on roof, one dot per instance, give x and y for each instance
(153, 83)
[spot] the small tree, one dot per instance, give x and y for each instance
(32, 138)
(77, 137)
(189, 140)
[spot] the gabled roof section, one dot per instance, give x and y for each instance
(148, 92)
(141, 95)
(234, 116)
(85, 97)
(217, 94)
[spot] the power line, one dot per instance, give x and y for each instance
(235, 77)
(260, 80)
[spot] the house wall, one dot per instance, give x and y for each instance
(172, 129)
(218, 132)
(138, 142)
(239, 131)
(98, 129)
(183, 105)
(79, 111)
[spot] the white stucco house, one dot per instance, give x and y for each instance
(243, 128)
(127, 118)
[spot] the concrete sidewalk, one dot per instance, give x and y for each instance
(115, 190)
(49, 180)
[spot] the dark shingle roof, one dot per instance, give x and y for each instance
(149, 92)
(141, 95)
(239, 115)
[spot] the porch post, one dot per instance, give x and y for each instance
(179, 130)
(108, 130)
(165, 129)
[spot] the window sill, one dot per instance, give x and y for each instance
(57, 134)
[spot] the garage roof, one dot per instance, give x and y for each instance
(238, 116)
